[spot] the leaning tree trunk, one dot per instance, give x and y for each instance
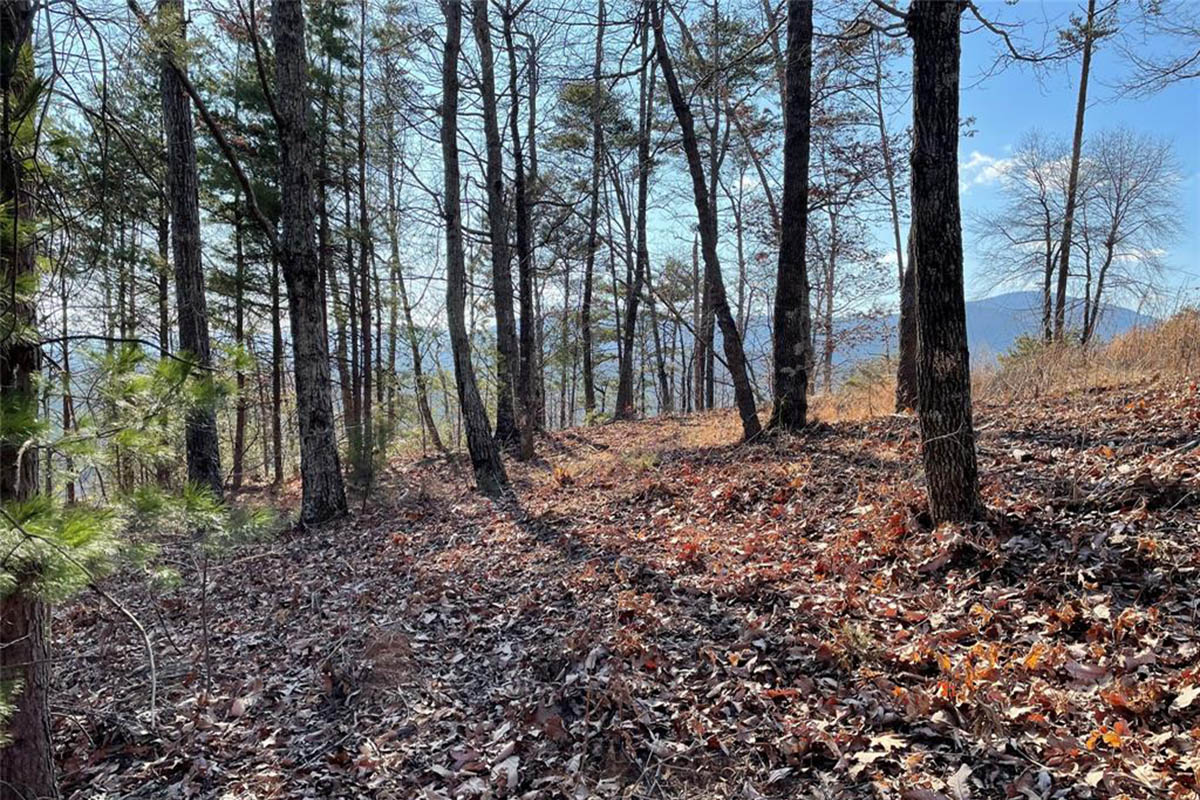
(323, 493)
(202, 444)
(734, 355)
(906, 364)
(943, 364)
(792, 314)
(1064, 255)
(485, 456)
(497, 215)
(633, 291)
(26, 762)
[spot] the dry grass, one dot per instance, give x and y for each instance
(1035, 369)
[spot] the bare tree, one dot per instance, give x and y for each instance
(497, 216)
(1022, 240)
(1173, 21)
(735, 356)
(1131, 213)
(1084, 32)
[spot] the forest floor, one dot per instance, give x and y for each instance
(665, 613)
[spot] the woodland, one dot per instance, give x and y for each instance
(546, 399)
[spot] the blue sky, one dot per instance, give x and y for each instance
(1009, 103)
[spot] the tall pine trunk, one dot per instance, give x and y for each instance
(943, 364)
(633, 291)
(792, 313)
(323, 493)
(1064, 255)
(202, 447)
(367, 451)
(485, 456)
(589, 269)
(239, 336)
(26, 762)
(524, 222)
(497, 215)
(734, 355)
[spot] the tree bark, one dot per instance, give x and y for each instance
(239, 336)
(943, 365)
(366, 452)
(524, 395)
(202, 444)
(792, 313)
(323, 493)
(585, 308)
(26, 763)
(507, 356)
(906, 364)
(485, 456)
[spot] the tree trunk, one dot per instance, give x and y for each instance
(792, 313)
(734, 355)
(26, 763)
(524, 398)
(323, 494)
(507, 356)
(943, 365)
(1064, 255)
(239, 336)
(276, 375)
(906, 363)
(633, 291)
(666, 401)
(585, 308)
(366, 452)
(202, 444)
(485, 456)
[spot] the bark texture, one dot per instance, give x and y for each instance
(906, 364)
(202, 443)
(26, 763)
(792, 313)
(485, 456)
(943, 363)
(497, 214)
(323, 492)
(527, 361)
(589, 269)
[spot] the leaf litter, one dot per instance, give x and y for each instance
(661, 612)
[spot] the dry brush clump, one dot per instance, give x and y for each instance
(1033, 368)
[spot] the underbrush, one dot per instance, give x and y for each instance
(1033, 368)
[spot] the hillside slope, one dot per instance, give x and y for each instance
(663, 612)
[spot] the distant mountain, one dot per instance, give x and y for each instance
(993, 325)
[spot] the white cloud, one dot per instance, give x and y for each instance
(980, 169)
